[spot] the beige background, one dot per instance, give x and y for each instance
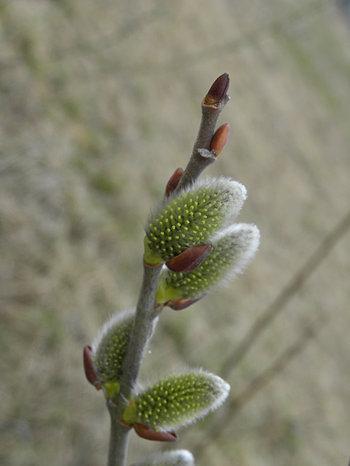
(99, 103)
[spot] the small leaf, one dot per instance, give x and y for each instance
(177, 401)
(233, 248)
(111, 389)
(192, 217)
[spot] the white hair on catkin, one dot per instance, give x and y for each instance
(169, 458)
(222, 390)
(220, 384)
(108, 326)
(248, 240)
(238, 191)
(150, 379)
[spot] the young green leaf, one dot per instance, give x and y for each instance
(232, 250)
(177, 400)
(192, 217)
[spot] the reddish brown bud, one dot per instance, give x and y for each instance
(182, 303)
(220, 139)
(218, 91)
(150, 434)
(89, 369)
(189, 259)
(173, 181)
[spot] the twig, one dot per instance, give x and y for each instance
(285, 295)
(138, 340)
(212, 105)
(118, 439)
(256, 384)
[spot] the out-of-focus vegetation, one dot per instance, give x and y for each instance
(99, 104)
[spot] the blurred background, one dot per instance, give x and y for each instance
(100, 102)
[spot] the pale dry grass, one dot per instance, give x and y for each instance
(99, 103)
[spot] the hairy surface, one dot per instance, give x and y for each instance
(169, 458)
(233, 248)
(110, 345)
(178, 400)
(193, 216)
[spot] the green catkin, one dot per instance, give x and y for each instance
(232, 250)
(192, 217)
(110, 347)
(177, 400)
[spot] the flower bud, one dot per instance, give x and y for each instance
(177, 400)
(220, 138)
(192, 217)
(90, 372)
(173, 181)
(109, 349)
(181, 303)
(189, 259)
(233, 248)
(217, 93)
(157, 436)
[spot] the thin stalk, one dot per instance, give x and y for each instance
(200, 159)
(140, 334)
(118, 440)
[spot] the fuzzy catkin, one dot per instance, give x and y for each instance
(177, 400)
(110, 347)
(232, 249)
(193, 216)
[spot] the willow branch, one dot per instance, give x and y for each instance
(201, 157)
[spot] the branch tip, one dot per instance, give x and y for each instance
(217, 94)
